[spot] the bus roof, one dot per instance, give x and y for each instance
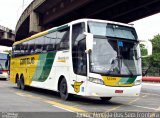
(41, 34)
(66, 25)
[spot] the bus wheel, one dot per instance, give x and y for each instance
(63, 89)
(22, 83)
(105, 99)
(18, 84)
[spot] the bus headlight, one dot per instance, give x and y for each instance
(137, 82)
(96, 80)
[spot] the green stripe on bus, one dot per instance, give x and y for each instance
(39, 69)
(44, 66)
(127, 80)
(58, 28)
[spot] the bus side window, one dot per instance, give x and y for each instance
(13, 49)
(82, 58)
(17, 50)
(50, 41)
(31, 45)
(22, 49)
(78, 50)
(39, 44)
(25, 48)
(62, 42)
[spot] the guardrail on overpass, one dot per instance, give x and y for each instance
(7, 36)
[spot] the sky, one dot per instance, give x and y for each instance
(10, 11)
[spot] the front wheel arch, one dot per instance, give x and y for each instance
(63, 88)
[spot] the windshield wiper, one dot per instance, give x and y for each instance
(114, 68)
(126, 64)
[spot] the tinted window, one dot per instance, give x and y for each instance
(79, 57)
(25, 44)
(50, 41)
(31, 46)
(62, 39)
(39, 42)
(16, 50)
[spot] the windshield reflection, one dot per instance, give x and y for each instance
(114, 57)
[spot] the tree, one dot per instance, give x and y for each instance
(151, 63)
(9, 51)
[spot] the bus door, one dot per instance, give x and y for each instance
(80, 66)
(79, 58)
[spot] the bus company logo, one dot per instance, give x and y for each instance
(76, 86)
(26, 61)
(62, 59)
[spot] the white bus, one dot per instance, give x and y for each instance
(85, 57)
(4, 65)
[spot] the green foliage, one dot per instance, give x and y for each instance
(143, 50)
(9, 51)
(151, 65)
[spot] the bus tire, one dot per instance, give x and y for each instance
(63, 89)
(18, 84)
(22, 83)
(105, 99)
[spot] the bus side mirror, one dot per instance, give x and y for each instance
(146, 48)
(89, 42)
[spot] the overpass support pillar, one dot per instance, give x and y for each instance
(34, 23)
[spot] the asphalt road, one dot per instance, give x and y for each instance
(13, 100)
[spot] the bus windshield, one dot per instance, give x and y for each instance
(115, 50)
(114, 57)
(112, 30)
(4, 61)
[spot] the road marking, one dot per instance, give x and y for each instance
(54, 103)
(157, 111)
(70, 108)
(144, 107)
(144, 95)
(20, 94)
(132, 101)
(151, 84)
(114, 108)
(122, 105)
(150, 94)
(63, 108)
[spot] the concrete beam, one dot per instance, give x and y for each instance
(44, 14)
(28, 11)
(34, 23)
(7, 36)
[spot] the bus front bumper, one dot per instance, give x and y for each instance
(108, 91)
(4, 75)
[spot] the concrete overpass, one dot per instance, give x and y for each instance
(44, 14)
(7, 36)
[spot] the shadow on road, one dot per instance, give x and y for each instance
(3, 79)
(75, 98)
